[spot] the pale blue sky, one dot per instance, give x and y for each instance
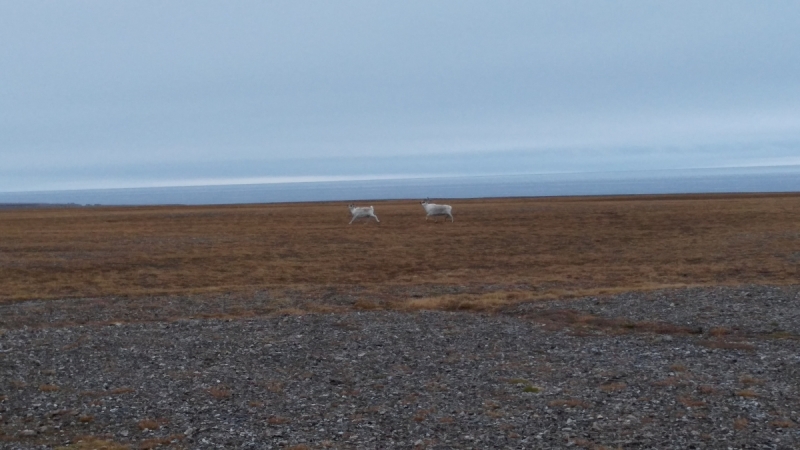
(97, 94)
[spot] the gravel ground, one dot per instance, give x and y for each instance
(690, 368)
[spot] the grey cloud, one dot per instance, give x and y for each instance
(92, 90)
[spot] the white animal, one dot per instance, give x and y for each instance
(433, 210)
(362, 211)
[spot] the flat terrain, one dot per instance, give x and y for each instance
(496, 251)
(600, 323)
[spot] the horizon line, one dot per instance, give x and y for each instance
(310, 179)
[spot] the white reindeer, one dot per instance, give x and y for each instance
(362, 211)
(433, 210)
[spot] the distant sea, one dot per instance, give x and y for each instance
(757, 179)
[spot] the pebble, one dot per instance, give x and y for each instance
(266, 382)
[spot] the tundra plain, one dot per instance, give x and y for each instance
(305, 257)
(497, 250)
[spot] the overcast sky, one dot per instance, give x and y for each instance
(149, 93)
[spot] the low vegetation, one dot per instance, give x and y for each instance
(93, 443)
(521, 249)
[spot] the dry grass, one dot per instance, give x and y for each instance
(584, 443)
(492, 409)
(527, 248)
(108, 393)
(278, 420)
(669, 382)
(691, 402)
(719, 331)
(274, 386)
(729, 345)
(740, 423)
(160, 441)
(148, 424)
(219, 392)
(613, 387)
(782, 424)
(747, 393)
(581, 322)
(423, 414)
(93, 443)
(456, 302)
(749, 380)
(48, 388)
(706, 389)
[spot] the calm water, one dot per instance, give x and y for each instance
(774, 179)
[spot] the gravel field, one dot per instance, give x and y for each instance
(677, 369)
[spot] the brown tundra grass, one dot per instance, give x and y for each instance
(613, 387)
(689, 401)
(149, 424)
(152, 443)
(678, 368)
(749, 380)
(219, 392)
(748, 393)
(706, 389)
(278, 420)
(93, 443)
(782, 423)
(554, 247)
